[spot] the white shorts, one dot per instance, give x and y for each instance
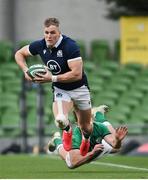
(79, 96)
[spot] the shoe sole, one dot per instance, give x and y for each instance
(51, 147)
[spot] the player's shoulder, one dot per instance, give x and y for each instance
(37, 46)
(69, 42)
(38, 43)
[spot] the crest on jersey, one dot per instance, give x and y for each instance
(59, 53)
(44, 51)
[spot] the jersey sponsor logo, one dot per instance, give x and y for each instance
(59, 53)
(54, 67)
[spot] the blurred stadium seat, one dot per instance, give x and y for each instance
(117, 50)
(83, 50)
(123, 87)
(100, 51)
(6, 51)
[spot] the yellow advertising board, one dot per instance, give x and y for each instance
(134, 40)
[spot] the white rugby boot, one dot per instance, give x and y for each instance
(51, 145)
(102, 108)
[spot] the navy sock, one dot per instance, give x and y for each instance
(86, 135)
(67, 128)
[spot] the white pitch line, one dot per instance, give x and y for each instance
(120, 166)
(111, 165)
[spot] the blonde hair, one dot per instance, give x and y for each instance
(51, 21)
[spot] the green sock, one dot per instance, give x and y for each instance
(100, 117)
(57, 141)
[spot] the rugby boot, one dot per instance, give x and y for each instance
(51, 144)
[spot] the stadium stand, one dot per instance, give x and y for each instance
(83, 50)
(117, 50)
(100, 51)
(123, 87)
(6, 51)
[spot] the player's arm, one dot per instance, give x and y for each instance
(20, 58)
(74, 74)
(116, 140)
(74, 159)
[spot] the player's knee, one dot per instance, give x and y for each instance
(61, 121)
(71, 167)
(68, 161)
(61, 117)
(86, 128)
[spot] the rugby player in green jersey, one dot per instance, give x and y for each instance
(103, 140)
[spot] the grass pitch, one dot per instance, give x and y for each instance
(52, 167)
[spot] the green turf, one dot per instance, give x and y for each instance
(51, 167)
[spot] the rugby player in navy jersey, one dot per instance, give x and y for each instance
(62, 57)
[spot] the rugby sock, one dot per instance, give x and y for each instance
(57, 141)
(86, 135)
(67, 128)
(67, 139)
(84, 147)
(85, 144)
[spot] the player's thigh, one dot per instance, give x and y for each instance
(75, 156)
(62, 102)
(62, 152)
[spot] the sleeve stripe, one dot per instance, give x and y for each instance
(29, 51)
(74, 59)
(106, 134)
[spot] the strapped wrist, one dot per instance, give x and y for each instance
(54, 78)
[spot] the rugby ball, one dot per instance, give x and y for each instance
(36, 68)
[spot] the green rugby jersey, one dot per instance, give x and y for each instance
(99, 131)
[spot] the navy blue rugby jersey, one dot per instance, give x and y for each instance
(56, 59)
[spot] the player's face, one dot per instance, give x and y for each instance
(51, 35)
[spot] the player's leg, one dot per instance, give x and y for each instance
(85, 124)
(83, 113)
(72, 158)
(61, 110)
(99, 116)
(61, 106)
(56, 144)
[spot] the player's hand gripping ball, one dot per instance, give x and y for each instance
(35, 69)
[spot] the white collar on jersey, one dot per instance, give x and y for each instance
(59, 41)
